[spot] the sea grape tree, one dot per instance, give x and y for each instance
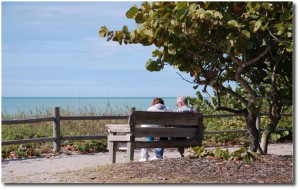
(242, 50)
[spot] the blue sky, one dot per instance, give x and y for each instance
(53, 49)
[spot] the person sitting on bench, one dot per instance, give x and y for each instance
(157, 106)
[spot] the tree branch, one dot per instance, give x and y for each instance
(251, 62)
(276, 39)
(210, 98)
(185, 79)
(244, 111)
(234, 94)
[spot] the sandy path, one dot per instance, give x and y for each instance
(45, 167)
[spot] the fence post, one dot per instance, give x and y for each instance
(130, 144)
(56, 130)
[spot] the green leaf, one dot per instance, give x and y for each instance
(286, 15)
(146, 6)
(237, 154)
(265, 26)
(156, 53)
(226, 154)
(180, 5)
(289, 26)
(109, 38)
(218, 15)
(171, 51)
(151, 18)
(233, 23)
(257, 25)
(279, 32)
(148, 32)
(181, 13)
(139, 18)
(140, 28)
(246, 145)
(152, 65)
(192, 8)
(132, 12)
(279, 26)
(209, 13)
(229, 45)
(120, 37)
(103, 31)
(246, 34)
(218, 152)
(289, 49)
(125, 29)
(251, 25)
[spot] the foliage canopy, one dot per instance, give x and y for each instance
(242, 50)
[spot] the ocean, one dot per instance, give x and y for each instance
(110, 105)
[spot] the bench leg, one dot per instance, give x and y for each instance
(130, 149)
(112, 147)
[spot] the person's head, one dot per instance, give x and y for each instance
(158, 101)
(181, 101)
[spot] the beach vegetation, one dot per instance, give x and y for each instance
(45, 129)
(237, 51)
(90, 127)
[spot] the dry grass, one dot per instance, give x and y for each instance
(269, 169)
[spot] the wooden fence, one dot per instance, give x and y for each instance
(57, 118)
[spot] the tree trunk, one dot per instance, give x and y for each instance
(274, 116)
(266, 136)
(267, 133)
(254, 133)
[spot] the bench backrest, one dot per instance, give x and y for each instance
(187, 124)
(165, 118)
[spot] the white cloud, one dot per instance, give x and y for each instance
(64, 10)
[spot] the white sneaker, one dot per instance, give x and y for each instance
(143, 159)
(155, 158)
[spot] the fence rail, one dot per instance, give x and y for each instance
(57, 138)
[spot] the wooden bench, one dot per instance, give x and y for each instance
(187, 125)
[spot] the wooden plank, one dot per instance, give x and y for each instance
(226, 131)
(122, 128)
(165, 118)
(93, 117)
(165, 132)
(24, 121)
(117, 125)
(221, 115)
(23, 141)
(56, 130)
(84, 137)
(200, 132)
(130, 149)
(112, 151)
(166, 144)
(119, 138)
(119, 130)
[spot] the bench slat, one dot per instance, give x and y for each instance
(165, 118)
(119, 138)
(191, 126)
(165, 132)
(166, 144)
(119, 130)
(115, 128)
(117, 125)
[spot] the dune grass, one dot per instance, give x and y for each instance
(90, 127)
(45, 129)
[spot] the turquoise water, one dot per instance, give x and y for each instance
(115, 105)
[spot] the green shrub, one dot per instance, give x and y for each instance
(240, 154)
